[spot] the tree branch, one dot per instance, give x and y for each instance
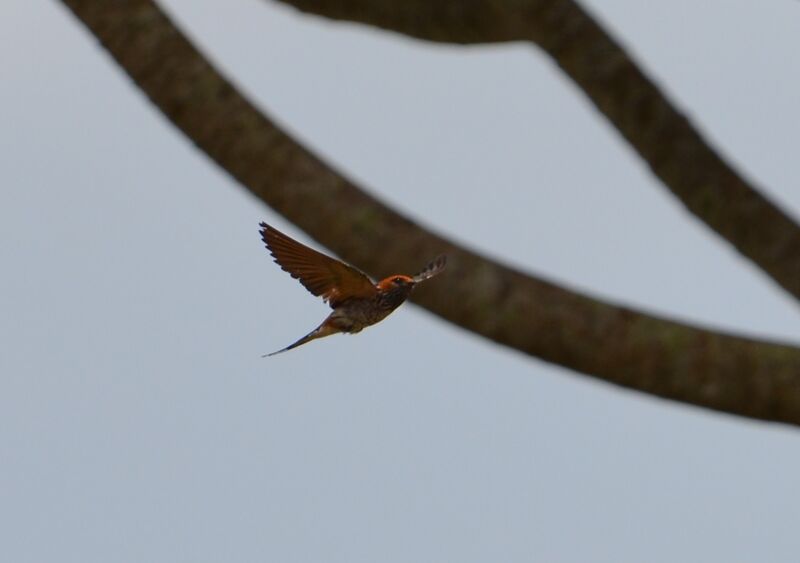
(665, 358)
(674, 150)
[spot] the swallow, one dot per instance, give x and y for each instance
(356, 300)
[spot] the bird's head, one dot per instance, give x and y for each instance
(397, 283)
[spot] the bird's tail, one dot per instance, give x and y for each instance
(321, 331)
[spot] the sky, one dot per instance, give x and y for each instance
(138, 421)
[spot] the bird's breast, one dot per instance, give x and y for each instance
(392, 299)
(356, 314)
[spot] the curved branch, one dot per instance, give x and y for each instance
(665, 358)
(664, 138)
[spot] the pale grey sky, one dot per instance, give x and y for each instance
(138, 421)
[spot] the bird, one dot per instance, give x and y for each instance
(357, 301)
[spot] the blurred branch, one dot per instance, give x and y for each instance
(674, 150)
(619, 345)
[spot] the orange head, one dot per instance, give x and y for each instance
(399, 283)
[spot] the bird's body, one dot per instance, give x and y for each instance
(356, 301)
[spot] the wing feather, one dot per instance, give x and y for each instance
(322, 275)
(434, 268)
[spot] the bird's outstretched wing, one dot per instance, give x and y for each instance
(322, 275)
(435, 267)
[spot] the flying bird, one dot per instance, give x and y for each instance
(356, 301)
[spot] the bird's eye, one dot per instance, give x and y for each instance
(398, 281)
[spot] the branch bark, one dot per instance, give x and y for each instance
(676, 152)
(719, 371)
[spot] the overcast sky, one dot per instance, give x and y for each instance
(138, 421)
